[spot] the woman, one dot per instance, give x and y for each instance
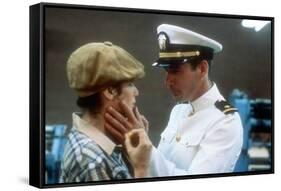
(102, 75)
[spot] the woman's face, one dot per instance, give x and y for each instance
(128, 94)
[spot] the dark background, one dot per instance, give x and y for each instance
(244, 63)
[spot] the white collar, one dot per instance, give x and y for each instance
(207, 99)
(94, 133)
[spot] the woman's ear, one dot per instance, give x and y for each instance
(109, 93)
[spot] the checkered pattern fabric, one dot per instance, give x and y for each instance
(84, 160)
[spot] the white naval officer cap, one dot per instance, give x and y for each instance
(180, 45)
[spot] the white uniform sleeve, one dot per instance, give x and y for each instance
(217, 153)
(159, 166)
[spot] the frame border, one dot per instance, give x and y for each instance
(37, 93)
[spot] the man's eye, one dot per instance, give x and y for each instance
(173, 71)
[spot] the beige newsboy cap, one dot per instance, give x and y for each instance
(96, 66)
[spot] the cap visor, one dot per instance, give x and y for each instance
(162, 64)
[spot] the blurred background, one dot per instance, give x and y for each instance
(242, 71)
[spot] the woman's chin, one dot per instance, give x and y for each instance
(131, 107)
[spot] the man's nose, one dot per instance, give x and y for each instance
(168, 80)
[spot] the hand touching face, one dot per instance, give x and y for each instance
(117, 124)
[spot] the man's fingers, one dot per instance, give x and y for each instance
(140, 154)
(128, 142)
(137, 137)
(128, 112)
(119, 137)
(145, 122)
(118, 126)
(130, 138)
(137, 113)
(141, 119)
(142, 135)
(118, 117)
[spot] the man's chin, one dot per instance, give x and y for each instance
(180, 99)
(177, 98)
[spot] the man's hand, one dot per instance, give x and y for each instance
(117, 124)
(138, 148)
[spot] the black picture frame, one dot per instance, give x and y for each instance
(38, 89)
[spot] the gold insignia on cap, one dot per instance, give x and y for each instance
(162, 40)
(178, 54)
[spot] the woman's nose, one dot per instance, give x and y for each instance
(136, 91)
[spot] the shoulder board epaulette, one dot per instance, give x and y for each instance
(225, 107)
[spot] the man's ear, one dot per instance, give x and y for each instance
(204, 67)
(109, 93)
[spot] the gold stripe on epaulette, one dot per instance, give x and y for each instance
(230, 109)
(227, 106)
(178, 54)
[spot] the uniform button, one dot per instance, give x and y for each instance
(108, 43)
(190, 114)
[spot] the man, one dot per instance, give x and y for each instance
(204, 133)
(102, 75)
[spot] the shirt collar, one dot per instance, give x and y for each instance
(94, 133)
(207, 99)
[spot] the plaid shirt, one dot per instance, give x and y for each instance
(91, 156)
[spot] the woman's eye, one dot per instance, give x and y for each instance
(131, 84)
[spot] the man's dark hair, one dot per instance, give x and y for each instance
(195, 62)
(206, 53)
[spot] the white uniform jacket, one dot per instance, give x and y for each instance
(199, 139)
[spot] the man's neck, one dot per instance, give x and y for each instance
(206, 86)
